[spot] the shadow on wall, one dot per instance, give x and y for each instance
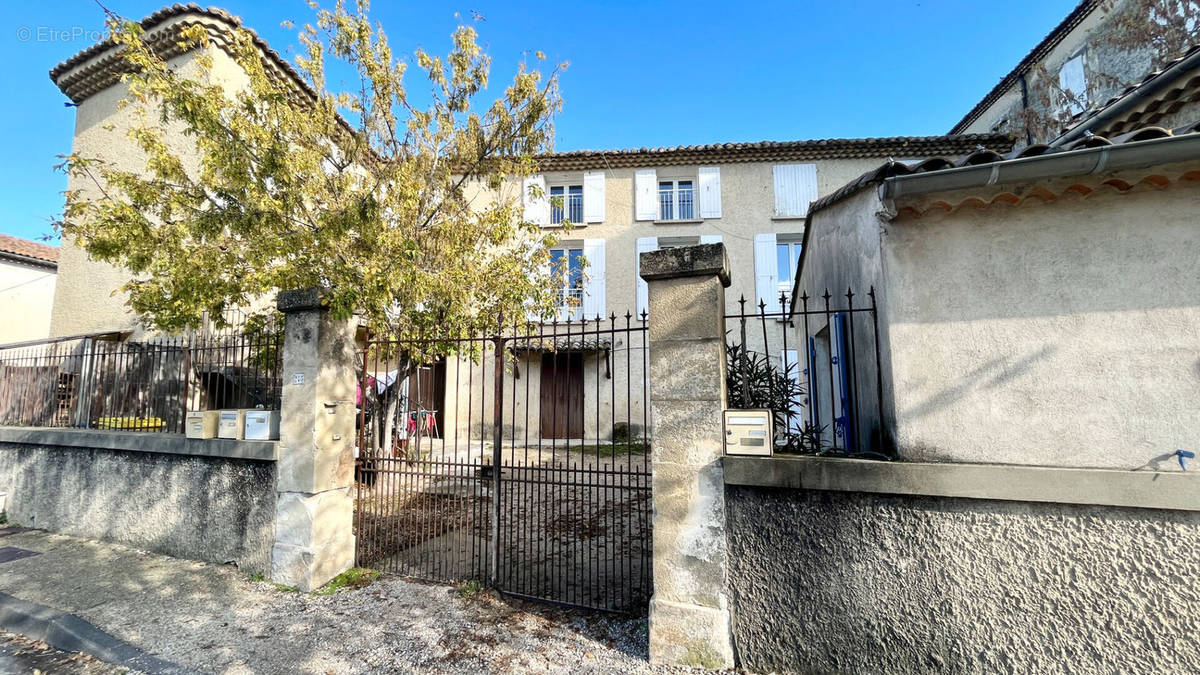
(990, 375)
(200, 508)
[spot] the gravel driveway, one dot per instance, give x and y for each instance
(214, 618)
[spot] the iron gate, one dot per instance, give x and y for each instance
(519, 459)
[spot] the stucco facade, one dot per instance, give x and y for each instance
(1049, 323)
(1093, 37)
(26, 294)
(89, 297)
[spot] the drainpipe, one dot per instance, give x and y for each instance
(1025, 109)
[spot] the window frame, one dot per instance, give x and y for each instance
(794, 242)
(565, 289)
(565, 209)
(675, 201)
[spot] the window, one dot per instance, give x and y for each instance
(787, 260)
(566, 203)
(676, 200)
(567, 267)
(1073, 82)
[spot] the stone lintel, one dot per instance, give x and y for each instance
(686, 261)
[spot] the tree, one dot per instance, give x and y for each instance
(1158, 30)
(367, 193)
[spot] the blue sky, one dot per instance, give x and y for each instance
(641, 74)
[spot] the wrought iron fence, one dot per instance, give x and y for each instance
(104, 382)
(816, 366)
(519, 458)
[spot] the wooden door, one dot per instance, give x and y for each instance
(561, 397)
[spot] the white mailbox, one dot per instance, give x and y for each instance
(749, 432)
(262, 425)
(230, 424)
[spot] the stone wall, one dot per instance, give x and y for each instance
(213, 508)
(831, 581)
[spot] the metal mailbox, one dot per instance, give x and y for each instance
(262, 425)
(231, 423)
(201, 424)
(749, 432)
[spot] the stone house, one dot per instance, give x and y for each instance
(1086, 59)
(751, 196)
(28, 272)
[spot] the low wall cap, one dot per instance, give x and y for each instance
(686, 261)
(302, 299)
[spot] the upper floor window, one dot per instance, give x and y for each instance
(1073, 83)
(795, 188)
(566, 203)
(681, 196)
(550, 202)
(787, 259)
(676, 200)
(567, 266)
(776, 265)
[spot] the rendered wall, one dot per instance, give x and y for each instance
(843, 582)
(214, 509)
(1055, 334)
(27, 297)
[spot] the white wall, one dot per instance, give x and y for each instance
(1063, 333)
(26, 296)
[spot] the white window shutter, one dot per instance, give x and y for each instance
(1071, 78)
(593, 197)
(710, 239)
(644, 244)
(645, 190)
(766, 271)
(795, 188)
(537, 209)
(594, 287)
(710, 192)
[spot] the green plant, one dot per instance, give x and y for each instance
(356, 577)
(283, 588)
(258, 576)
(470, 588)
(753, 381)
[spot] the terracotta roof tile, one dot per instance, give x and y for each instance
(1154, 109)
(985, 156)
(770, 151)
(28, 249)
(80, 85)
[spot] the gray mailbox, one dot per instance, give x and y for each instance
(749, 432)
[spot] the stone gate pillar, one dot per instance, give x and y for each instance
(689, 611)
(314, 509)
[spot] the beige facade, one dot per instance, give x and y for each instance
(89, 297)
(751, 197)
(26, 294)
(1045, 322)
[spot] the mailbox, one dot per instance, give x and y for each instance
(202, 424)
(262, 425)
(749, 432)
(230, 424)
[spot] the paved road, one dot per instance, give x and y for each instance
(19, 654)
